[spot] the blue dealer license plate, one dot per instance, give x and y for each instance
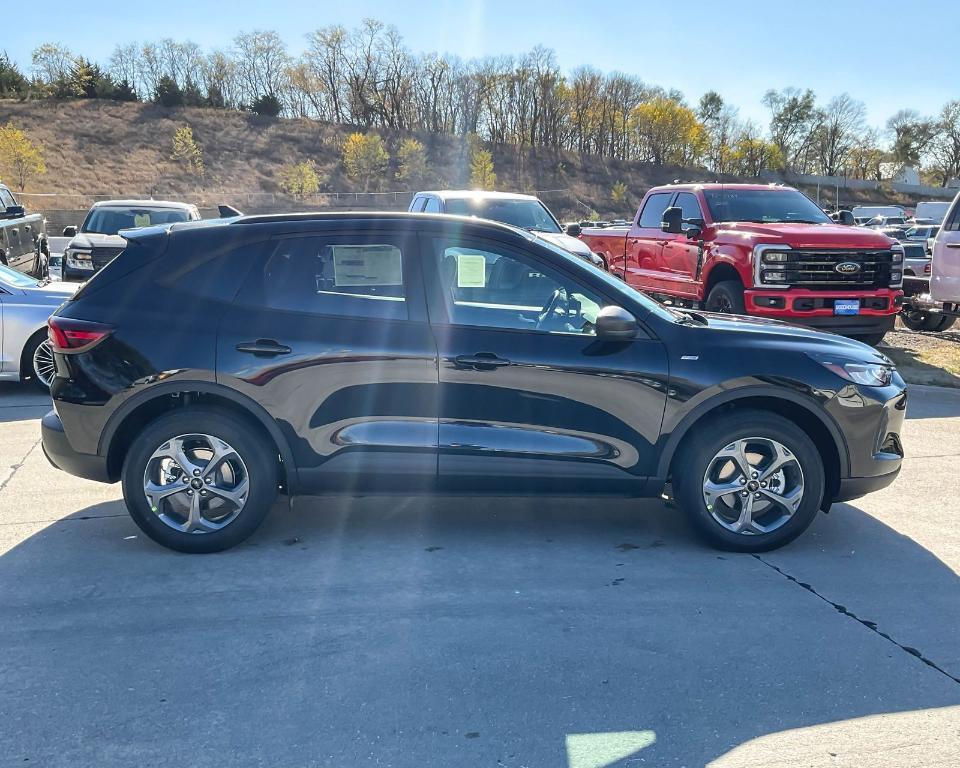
(846, 307)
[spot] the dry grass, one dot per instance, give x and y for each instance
(108, 149)
(925, 358)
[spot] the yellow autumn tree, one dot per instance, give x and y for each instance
(365, 159)
(300, 179)
(619, 194)
(412, 162)
(20, 158)
(482, 175)
(666, 131)
(187, 151)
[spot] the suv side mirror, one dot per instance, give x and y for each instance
(14, 212)
(573, 229)
(845, 218)
(616, 324)
(70, 231)
(672, 220)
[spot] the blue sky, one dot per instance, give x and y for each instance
(887, 54)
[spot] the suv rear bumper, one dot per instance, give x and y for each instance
(59, 452)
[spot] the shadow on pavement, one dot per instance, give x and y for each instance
(435, 631)
(932, 402)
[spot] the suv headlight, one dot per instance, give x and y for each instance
(868, 374)
(78, 258)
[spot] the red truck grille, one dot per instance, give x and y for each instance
(831, 268)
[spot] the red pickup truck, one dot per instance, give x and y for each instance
(756, 249)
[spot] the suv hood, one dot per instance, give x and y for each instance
(562, 240)
(803, 235)
(780, 334)
(88, 240)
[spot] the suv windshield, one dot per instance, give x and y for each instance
(109, 221)
(526, 214)
(766, 206)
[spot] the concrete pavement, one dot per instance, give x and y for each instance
(489, 632)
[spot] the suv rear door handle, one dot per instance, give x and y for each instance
(480, 361)
(953, 245)
(264, 348)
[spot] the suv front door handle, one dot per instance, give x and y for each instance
(480, 361)
(264, 348)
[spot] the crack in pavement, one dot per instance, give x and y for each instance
(871, 625)
(16, 467)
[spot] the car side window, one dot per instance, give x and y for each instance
(416, 206)
(432, 206)
(484, 284)
(690, 205)
(652, 213)
(331, 275)
(952, 222)
(6, 199)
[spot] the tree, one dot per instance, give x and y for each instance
(267, 105)
(619, 194)
(842, 122)
(412, 160)
(668, 132)
(911, 135)
(793, 119)
(752, 153)
(52, 65)
(482, 175)
(365, 159)
(168, 93)
(19, 156)
(945, 148)
(12, 82)
(192, 96)
(187, 151)
(300, 179)
(124, 92)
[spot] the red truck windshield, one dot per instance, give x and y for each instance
(766, 206)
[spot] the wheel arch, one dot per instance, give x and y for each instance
(26, 363)
(718, 273)
(794, 407)
(143, 408)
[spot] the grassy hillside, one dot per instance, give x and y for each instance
(110, 149)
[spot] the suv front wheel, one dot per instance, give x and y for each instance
(199, 480)
(749, 481)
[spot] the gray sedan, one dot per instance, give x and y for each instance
(25, 305)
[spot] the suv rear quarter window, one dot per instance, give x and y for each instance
(331, 275)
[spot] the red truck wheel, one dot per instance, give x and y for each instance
(726, 296)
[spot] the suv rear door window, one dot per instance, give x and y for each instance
(332, 275)
(432, 206)
(652, 213)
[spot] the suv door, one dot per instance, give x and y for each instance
(945, 281)
(681, 255)
(329, 334)
(530, 399)
(645, 241)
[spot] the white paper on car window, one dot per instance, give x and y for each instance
(471, 271)
(355, 265)
(141, 219)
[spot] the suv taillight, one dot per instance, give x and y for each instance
(67, 335)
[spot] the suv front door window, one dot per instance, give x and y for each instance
(521, 406)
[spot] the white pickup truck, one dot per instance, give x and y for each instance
(934, 304)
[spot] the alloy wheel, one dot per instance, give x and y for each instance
(43, 366)
(196, 483)
(753, 486)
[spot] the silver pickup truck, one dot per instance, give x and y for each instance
(23, 239)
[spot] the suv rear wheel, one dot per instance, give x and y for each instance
(199, 480)
(750, 481)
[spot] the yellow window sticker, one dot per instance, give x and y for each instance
(141, 220)
(471, 271)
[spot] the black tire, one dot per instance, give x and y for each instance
(726, 296)
(872, 339)
(928, 322)
(696, 455)
(254, 448)
(27, 371)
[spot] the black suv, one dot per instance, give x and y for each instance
(213, 364)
